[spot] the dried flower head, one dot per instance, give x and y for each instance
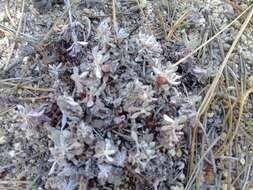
(165, 75)
(148, 45)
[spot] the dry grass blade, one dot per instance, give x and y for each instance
(21, 37)
(234, 132)
(114, 18)
(248, 172)
(14, 182)
(196, 169)
(16, 36)
(5, 111)
(177, 23)
(7, 12)
(208, 98)
(33, 99)
(212, 38)
(28, 87)
(210, 93)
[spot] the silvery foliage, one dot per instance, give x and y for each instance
(79, 79)
(100, 57)
(76, 48)
(171, 131)
(107, 152)
(74, 32)
(138, 99)
(65, 148)
(54, 71)
(122, 33)
(160, 169)
(109, 173)
(105, 172)
(86, 82)
(110, 161)
(65, 31)
(66, 179)
(29, 117)
(91, 169)
(70, 109)
(104, 34)
(115, 98)
(187, 107)
(144, 152)
(99, 110)
(86, 133)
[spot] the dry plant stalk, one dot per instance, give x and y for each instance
(7, 12)
(16, 36)
(232, 133)
(212, 38)
(209, 95)
(177, 24)
(114, 18)
(28, 87)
